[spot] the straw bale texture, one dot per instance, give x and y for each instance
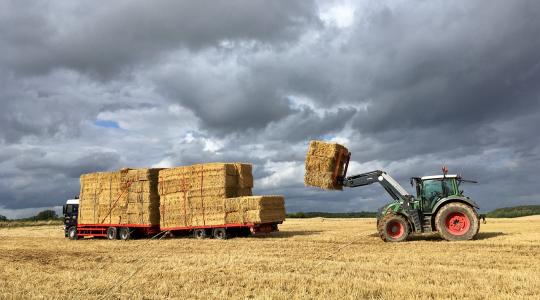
(128, 196)
(214, 194)
(320, 164)
(194, 195)
(255, 209)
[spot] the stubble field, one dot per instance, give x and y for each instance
(309, 258)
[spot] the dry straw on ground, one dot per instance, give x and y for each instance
(128, 196)
(309, 258)
(320, 165)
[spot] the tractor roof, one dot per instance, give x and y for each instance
(439, 177)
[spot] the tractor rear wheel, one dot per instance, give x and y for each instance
(457, 222)
(393, 228)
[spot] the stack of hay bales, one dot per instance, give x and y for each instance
(128, 196)
(255, 209)
(202, 195)
(322, 160)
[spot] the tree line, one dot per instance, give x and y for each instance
(44, 215)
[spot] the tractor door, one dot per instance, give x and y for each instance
(432, 190)
(435, 189)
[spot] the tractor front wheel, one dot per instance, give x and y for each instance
(457, 222)
(393, 228)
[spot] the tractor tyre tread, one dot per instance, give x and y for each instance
(471, 213)
(381, 227)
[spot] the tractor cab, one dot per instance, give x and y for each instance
(429, 189)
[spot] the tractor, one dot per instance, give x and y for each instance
(439, 206)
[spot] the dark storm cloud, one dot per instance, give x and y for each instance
(482, 66)
(407, 87)
(228, 107)
(105, 40)
(92, 162)
(38, 179)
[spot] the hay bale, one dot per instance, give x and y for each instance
(322, 160)
(194, 195)
(255, 209)
(128, 196)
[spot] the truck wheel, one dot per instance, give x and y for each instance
(220, 233)
(457, 222)
(393, 228)
(112, 233)
(125, 233)
(199, 234)
(72, 233)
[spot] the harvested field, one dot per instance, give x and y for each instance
(324, 161)
(309, 258)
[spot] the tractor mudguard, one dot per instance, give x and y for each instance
(461, 199)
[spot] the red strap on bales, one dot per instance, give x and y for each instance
(184, 189)
(202, 200)
(129, 182)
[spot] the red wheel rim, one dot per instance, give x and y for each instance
(457, 223)
(395, 229)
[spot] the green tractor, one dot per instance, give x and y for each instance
(439, 206)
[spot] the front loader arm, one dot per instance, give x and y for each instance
(394, 189)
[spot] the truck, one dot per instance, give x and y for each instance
(74, 231)
(205, 200)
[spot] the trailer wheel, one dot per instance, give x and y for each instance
(220, 233)
(199, 234)
(125, 233)
(457, 222)
(112, 233)
(72, 233)
(393, 228)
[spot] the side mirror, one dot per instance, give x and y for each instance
(64, 209)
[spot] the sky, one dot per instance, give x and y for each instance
(407, 86)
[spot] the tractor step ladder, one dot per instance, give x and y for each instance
(426, 224)
(413, 213)
(416, 220)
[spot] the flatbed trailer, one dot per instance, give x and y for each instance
(223, 231)
(129, 231)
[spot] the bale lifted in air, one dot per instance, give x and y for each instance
(439, 205)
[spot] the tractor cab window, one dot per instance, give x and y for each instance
(434, 189)
(431, 190)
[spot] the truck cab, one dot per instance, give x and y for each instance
(70, 211)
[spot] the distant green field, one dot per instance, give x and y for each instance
(514, 212)
(507, 212)
(19, 223)
(362, 214)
